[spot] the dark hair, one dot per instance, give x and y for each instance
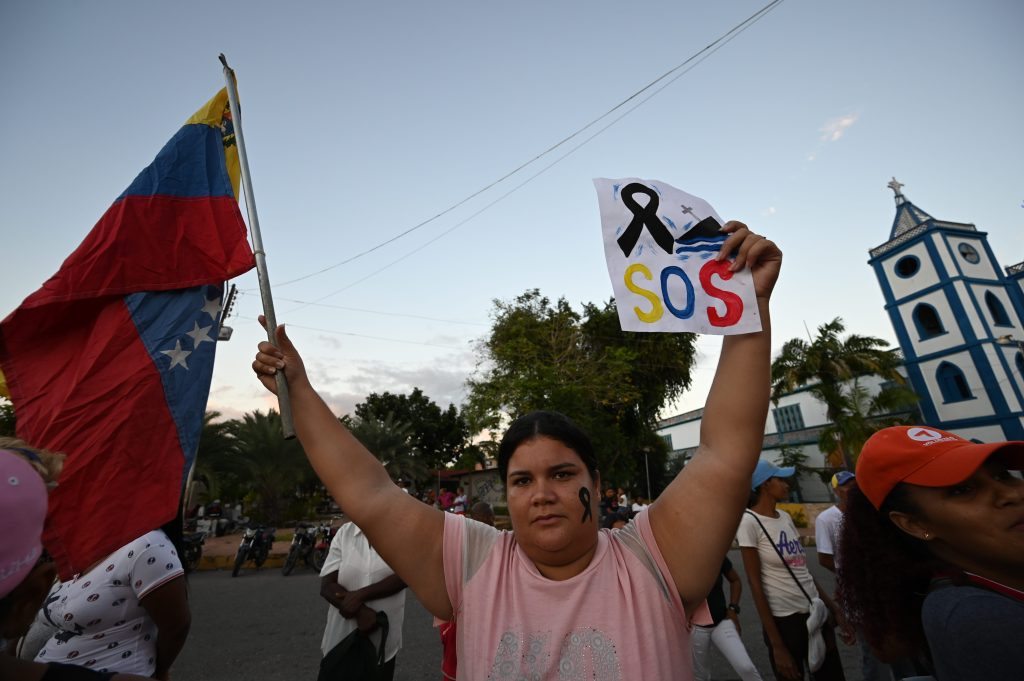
(545, 424)
(613, 518)
(885, 575)
(754, 495)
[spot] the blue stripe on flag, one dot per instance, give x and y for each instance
(179, 329)
(191, 165)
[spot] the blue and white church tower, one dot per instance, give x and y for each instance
(959, 319)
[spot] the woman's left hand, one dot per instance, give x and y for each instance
(752, 250)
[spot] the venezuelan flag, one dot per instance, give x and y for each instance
(110, 361)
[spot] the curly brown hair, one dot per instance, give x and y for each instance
(884, 575)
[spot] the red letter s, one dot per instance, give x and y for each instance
(733, 303)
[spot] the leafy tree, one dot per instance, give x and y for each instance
(438, 436)
(795, 457)
(7, 422)
(830, 365)
(544, 355)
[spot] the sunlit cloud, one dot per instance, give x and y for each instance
(834, 129)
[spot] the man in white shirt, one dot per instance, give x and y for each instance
(357, 583)
(829, 522)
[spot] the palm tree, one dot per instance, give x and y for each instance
(863, 414)
(391, 442)
(217, 451)
(272, 468)
(828, 364)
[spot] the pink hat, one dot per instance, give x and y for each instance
(22, 513)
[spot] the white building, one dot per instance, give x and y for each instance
(959, 319)
(796, 422)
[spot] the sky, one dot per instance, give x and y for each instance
(364, 119)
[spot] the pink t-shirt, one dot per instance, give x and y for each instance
(621, 618)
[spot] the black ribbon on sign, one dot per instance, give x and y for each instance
(643, 216)
(585, 500)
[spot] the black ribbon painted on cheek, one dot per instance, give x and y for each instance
(643, 216)
(585, 500)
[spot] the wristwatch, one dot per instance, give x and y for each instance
(735, 607)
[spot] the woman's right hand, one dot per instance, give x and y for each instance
(284, 357)
(784, 662)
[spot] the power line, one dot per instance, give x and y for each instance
(696, 58)
(363, 335)
(380, 312)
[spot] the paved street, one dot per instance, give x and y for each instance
(263, 626)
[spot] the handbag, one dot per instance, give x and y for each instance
(815, 619)
(355, 658)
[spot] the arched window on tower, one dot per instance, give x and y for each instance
(927, 321)
(952, 383)
(996, 309)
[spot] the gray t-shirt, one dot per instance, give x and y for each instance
(974, 634)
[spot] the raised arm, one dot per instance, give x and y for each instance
(407, 533)
(695, 518)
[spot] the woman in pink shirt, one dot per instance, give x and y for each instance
(558, 598)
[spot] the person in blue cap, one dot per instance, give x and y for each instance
(791, 605)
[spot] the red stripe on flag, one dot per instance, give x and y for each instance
(101, 402)
(153, 243)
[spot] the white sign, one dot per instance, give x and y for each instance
(661, 244)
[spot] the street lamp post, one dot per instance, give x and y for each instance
(647, 469)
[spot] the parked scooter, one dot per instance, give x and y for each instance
(301, 548)
(255, 546)
(322, 545)
(192, 550)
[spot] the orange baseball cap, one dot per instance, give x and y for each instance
(921, 455)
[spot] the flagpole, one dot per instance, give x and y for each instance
(283, 400)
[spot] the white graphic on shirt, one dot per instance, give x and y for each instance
(585, 653)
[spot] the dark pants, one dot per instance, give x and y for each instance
(793, 629)
(387, 672)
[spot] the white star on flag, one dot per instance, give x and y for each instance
(177, 355)
(200, 334)
(212, 307)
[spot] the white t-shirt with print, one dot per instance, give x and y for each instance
(100, 624)
(783, 594)
(359, 565)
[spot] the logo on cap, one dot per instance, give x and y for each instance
(923, 435)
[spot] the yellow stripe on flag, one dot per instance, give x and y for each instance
(216, 113)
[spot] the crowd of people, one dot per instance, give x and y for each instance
(927, 540)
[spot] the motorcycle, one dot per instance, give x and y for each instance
(301, 548)
(322, 545)
(192, 550)
(255, 546)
